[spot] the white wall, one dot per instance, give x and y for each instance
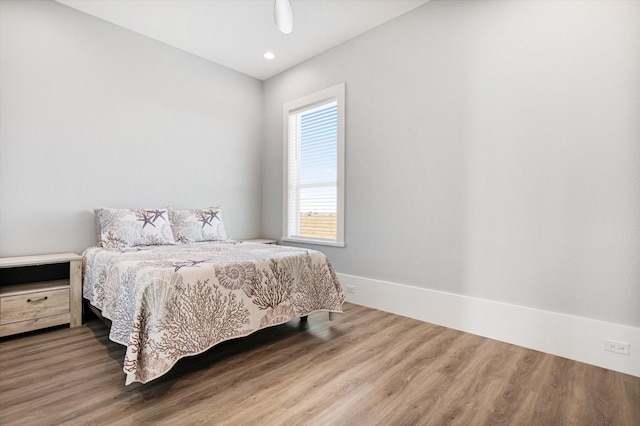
(492, 151)
(95, 115)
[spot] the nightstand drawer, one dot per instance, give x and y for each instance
(27, 306)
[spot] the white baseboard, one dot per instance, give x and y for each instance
(577, 338)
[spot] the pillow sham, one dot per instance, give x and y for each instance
(197, 225)
(133, 227)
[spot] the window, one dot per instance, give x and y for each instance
(314, 168)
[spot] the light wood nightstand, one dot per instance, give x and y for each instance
(37, 292)
(260, 241)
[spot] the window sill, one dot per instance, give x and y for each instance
(320, 242)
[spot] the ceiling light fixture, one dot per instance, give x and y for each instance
(283, 16)
(269, 55)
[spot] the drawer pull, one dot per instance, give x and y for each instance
(37, 300)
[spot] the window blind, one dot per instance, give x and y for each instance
(313, 171)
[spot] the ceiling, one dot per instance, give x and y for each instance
(237, 33)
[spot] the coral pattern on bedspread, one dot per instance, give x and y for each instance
(168, 302)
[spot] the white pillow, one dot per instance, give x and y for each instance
(133, 227)
(197, 225)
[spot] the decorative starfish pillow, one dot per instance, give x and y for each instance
(133, 227)
(197, 225)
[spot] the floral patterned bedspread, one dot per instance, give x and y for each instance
(171, 301)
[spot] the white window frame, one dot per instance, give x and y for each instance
(334, 93)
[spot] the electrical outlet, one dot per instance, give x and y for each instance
(350, 288)
(617, 347)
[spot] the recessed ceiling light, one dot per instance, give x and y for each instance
(269, 55)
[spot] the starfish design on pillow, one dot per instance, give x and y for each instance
(213, 214)
(147, 217)
(158, 214)
(204, 217)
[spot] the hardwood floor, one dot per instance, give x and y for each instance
(365, 367)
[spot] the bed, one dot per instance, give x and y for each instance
(169, 301)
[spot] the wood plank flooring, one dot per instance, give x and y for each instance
(366, 367)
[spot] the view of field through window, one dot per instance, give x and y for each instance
(317, 224)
